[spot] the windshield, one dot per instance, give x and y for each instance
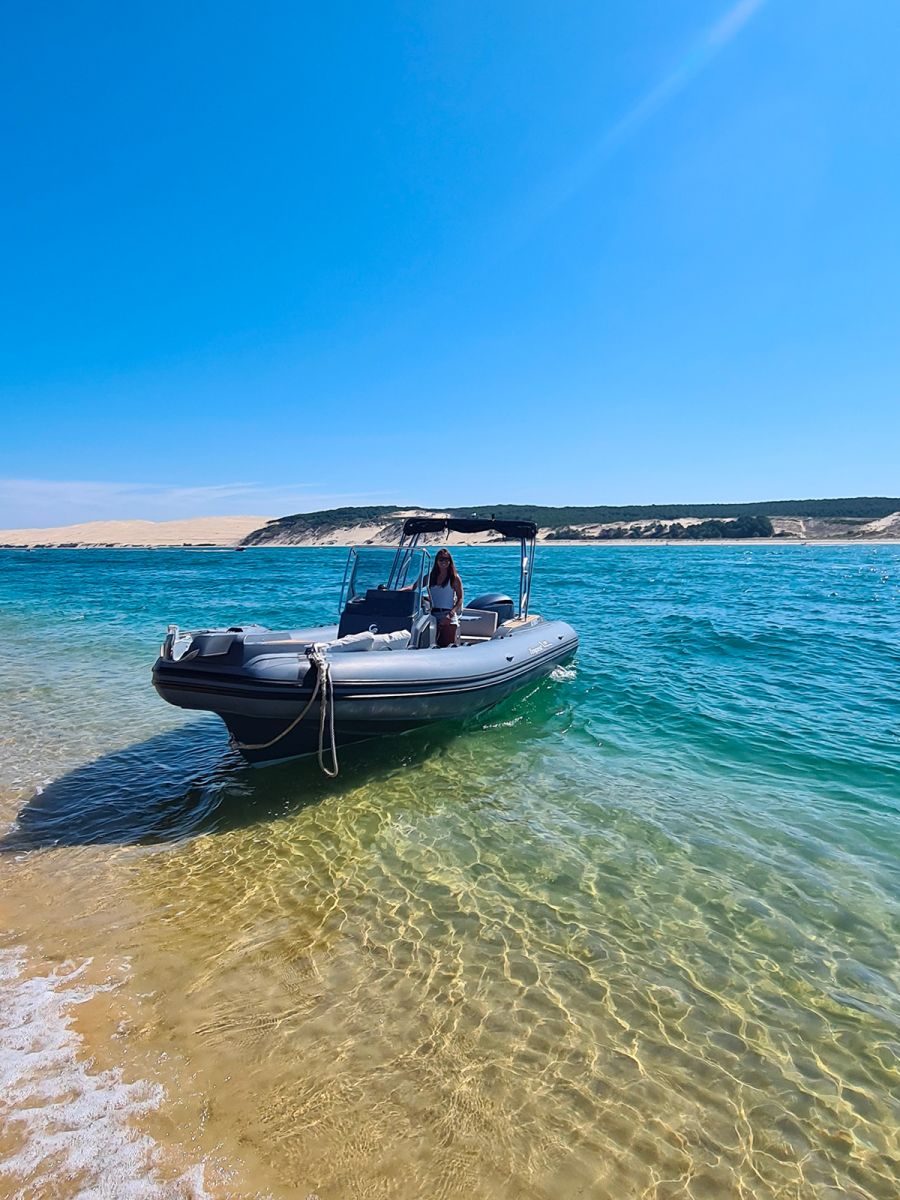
(370, 567)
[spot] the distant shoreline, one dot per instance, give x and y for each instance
(238, 533)
(584, 543)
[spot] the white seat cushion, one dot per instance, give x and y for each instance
(352, 642)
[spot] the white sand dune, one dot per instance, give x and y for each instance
(195, 531)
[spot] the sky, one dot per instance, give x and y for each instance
(279, 257)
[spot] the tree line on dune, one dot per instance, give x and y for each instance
(869, 508)
(716, 520)
(741, 527)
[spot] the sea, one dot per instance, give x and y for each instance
(631, 936)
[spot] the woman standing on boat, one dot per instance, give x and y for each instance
(445, 590)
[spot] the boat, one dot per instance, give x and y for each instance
(378, 670)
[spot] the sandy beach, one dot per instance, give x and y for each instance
(195, 531)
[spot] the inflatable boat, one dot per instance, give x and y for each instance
(377, 671)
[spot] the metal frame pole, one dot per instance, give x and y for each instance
(525, 576)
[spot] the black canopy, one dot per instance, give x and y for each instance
(510, 529)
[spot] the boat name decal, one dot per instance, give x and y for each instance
(539, 648)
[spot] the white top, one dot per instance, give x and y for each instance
(442, 596)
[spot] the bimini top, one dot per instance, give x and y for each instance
(510, 529)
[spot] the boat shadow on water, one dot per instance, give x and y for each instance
(189, 782)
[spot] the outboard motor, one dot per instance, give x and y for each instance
(495, 602)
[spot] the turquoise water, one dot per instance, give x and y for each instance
(633, 934)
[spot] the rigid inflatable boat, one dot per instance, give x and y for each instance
(378, 670)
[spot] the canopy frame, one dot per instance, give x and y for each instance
(524, 531)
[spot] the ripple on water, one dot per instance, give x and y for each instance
(632, 935)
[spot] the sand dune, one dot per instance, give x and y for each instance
(229, 531)
(196, 531)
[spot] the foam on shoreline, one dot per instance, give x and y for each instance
(65, 1128)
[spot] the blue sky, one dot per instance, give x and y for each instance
(261, 259)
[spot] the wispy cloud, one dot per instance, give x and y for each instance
(708, 46)
(33, 503)
(711, 43)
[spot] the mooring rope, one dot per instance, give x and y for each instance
(326, 708)
(324, 686)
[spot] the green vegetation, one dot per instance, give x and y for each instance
(868, 508)
(741, 527)
(568, 535)
(323, 522)
(718, 520)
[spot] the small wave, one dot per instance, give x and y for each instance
(562, 674)
(70, 1128)
(702, 633)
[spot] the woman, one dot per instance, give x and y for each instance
(445, 590)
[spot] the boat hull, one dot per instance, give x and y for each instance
(259, 685)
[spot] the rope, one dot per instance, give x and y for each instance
(326, 708)
(324, 685)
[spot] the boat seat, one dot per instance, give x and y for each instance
(477, 623)
(381, 610)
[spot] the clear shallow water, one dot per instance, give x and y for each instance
(635, 934)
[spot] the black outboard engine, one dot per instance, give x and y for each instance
(495, 602)
(381, 610)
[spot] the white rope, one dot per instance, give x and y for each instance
(324, 686)
(326, 708)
